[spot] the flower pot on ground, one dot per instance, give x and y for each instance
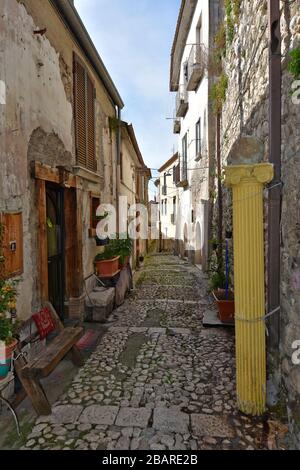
(6, 354)
(8, 327)
(225, 305)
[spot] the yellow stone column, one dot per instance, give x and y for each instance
(247, 182)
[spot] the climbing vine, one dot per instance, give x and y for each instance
(294, 63)
(218, 92)
(232, 9)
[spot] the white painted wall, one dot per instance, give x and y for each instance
(198, 106)
(167, 228)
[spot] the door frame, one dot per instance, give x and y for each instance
(61, 208)
(44, 175)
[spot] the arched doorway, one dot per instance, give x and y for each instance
(198, 244)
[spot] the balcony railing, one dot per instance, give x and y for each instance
(182, 103)
(195, 67)
(177, 126)
(181, 179)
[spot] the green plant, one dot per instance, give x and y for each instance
(117, 247)
(218, 280)
(218, 93)
(123, 248)
(8, 330)
(109, 253)
(294, 63)
(232, 9)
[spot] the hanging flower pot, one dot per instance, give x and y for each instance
(101, 241)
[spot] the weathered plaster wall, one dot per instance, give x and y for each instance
(36, 123)
(36, 116)
(245, 112)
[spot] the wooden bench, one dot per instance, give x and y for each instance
(30, 372)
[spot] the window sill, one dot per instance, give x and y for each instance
(87, 174)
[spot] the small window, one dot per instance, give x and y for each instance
(12, 245)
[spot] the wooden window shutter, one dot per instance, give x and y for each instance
(91, 160)
(84, 111)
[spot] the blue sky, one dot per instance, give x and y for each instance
(134, 39)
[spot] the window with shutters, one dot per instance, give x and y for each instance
(84, 112)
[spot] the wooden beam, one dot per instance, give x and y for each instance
(42, 239)
(79, 230)
(52, 175)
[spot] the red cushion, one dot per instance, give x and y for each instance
(44, 322)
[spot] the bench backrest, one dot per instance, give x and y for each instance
(29, 332)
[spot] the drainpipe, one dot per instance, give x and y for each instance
(118, 179)
(274, 202)
(220, 194)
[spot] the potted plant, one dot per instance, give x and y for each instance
(222, 294)
(123, 248)
(107, 263)
(8, 333)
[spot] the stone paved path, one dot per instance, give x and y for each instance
(158, 380)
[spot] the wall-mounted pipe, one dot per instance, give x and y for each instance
(274, 201)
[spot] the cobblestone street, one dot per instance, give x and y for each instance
(158, 380)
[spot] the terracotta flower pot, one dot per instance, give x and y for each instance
(108, 267)
(6, 354)
(226, 307)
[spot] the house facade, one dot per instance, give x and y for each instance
(194, 123)
(168, 199)
(60, 151)
(133, 185)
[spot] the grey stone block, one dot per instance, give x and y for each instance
(134, 417)
(170, 420)
(97, 414)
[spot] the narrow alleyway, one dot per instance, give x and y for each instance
(158, 380)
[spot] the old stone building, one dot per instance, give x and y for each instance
(60, 150)
(246, 112)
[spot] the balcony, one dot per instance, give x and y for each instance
(195, 67)
(181, 180)
(164, 190)
(177, 126)
(182, 103)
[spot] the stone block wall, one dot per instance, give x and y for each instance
(246, 112)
